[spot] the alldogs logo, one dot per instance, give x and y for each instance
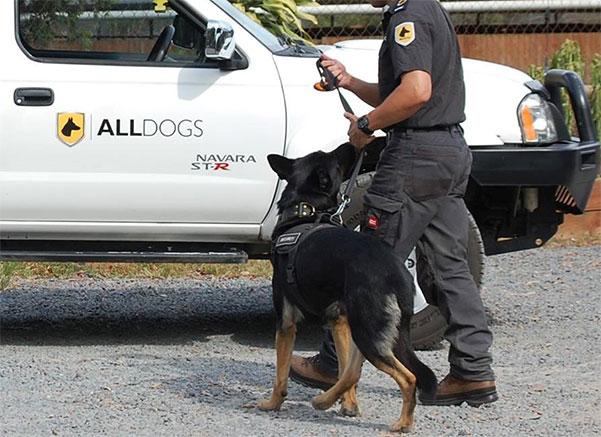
(214, 162)
(149, 128)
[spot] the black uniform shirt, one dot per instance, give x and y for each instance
(419, 35)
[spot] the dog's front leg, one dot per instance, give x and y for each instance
(284, 343)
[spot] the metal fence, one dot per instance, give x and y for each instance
(519, 33)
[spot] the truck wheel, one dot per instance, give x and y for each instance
(428, 325)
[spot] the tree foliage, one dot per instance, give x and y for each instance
(596, 97)
(48, 19)
(569, 57)
(280, 17)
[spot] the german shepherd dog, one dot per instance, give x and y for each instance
(351, 280)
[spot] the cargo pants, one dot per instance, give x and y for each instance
(417, 195)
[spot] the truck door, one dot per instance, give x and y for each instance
(100, 131)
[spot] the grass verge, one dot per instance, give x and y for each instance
(36, 270)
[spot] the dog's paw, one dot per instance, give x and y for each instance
(350, 410)
(321, 402)
(401, 426)
(269, 405)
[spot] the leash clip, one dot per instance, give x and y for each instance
(336, 218)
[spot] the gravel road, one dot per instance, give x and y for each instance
(182, 357)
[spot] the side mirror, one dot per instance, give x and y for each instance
(187, 35)
(219, 38)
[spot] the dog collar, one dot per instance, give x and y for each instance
(301, 210)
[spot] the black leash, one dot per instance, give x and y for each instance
(329, 83)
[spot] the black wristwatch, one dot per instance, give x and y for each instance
(363, 124)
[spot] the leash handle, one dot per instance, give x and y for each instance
(329, 82)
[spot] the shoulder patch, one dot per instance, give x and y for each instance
(404, 33)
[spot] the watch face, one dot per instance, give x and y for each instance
(363, 124)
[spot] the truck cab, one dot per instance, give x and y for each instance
(130, 131)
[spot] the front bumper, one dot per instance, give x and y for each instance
(573, 165)
(570, 165)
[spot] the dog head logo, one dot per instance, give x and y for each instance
(70, 127)
(404, 33)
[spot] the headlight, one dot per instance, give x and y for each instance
(536, 120)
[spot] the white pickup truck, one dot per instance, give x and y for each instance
(155, 150)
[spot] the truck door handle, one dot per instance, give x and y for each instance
(34, 97)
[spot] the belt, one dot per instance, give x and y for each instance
(439, 128)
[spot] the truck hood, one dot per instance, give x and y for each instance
(493, 91)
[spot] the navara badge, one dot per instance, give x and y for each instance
(70, 127)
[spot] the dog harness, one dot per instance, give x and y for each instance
(286, 245)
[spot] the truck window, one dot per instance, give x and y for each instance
(103, 31)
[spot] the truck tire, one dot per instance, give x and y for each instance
(428, 325)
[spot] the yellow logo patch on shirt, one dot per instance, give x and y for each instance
(160, 5)
(404, 33)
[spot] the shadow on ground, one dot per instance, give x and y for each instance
(153, 312)
(245, 382)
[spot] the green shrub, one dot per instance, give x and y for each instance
(569, 57)
(596, 96)
(280, 17)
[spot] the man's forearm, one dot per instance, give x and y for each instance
(368, 92)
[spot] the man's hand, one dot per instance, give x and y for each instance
(356, 136)
(338, 70)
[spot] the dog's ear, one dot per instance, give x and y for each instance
(281, 165)
(346, 154)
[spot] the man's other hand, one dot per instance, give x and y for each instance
(356, 136)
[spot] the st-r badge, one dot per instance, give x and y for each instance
(70, 127)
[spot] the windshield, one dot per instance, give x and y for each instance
(278, 45)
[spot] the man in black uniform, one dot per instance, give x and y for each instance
(417, 191)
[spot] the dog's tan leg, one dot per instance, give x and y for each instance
(406, 381)
(341, 332)
(284, 343)
(348, 379)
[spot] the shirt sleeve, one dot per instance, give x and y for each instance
(410, 45)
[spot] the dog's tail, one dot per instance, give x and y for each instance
(426, 380)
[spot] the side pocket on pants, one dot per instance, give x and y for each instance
(381, 217)
(433, 170)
